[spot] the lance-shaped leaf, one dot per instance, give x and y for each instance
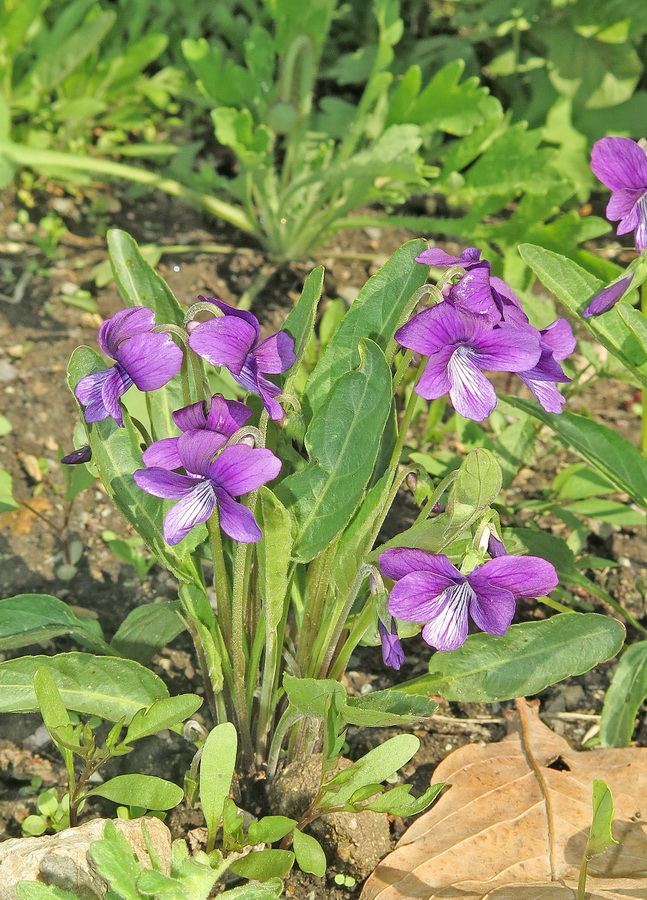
(301, 318)
(92, 685)
(523, 661)
(217, 765)
(611, 454)
(624, 697)
(342, 443)
(35, 618)
(148, 791)
(116, 454)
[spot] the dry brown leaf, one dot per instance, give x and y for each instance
(514, 824)
(20, 521)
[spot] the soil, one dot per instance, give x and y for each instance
(39, 330)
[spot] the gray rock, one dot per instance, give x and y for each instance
(63, 860)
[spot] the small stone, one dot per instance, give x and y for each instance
(7, 371)
(32, 468)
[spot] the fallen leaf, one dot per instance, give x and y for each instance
(514, 824)
(20, 521)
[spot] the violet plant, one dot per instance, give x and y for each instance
(267, 506)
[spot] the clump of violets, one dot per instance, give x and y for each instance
(429, 588)
(480, 326)
(233, 340)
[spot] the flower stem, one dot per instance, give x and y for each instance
(220, 576)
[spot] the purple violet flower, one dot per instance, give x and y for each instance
(495, 546)
(392, 652)
(232, 340)
(459, 347)
(621, 164)
(148, 360)
(430, 589)
(221, 417)
(235, 471)
(557, 342)
(607, 298)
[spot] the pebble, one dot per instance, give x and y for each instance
(7, 371)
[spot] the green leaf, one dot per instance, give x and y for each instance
(310, 696)
(5, 425)
(308, 853)
(624, 697)
(146, 629)
(612, 511)
(116, 454)
(376, 313)
(95, 686)
(399, 802)
(523, 661)
(600, 837)
(52, 709)
(148, 791)
(270, 829)
(217, 767)
(374, 767)
(115, 860)
(612, 455)
(162, 714)
(263, 864)
(7, 501)
(300, 321)
(575, 287)
(36, 618)
(273, 553)
(137, 281)
(34, 890)
(342, 442)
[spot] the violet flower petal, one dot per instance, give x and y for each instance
(89, 393)
(243, 314)
(227, 416)
(164, 484)
(240, 469)
(436, 256)
(192, 510)
(162, 454)
(151, 359)
(198, 448)
(115, 385)
(433, 329)
(77, 457)
(507, 349)
(622, 205)
(448, 629)
(191, 417)
(560, 338)
(420, 596)
(123, 325)
(226, 341)
(619, 163)
(607, 298)
(474, 293)
(400, 561)
(276, 353)
(236, 520)
(392, 651)
(252, 380)
(523, 576)
(435, 380)
(546, 393)
(493, 612)
(471, 393)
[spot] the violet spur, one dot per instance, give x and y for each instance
(429, 588)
